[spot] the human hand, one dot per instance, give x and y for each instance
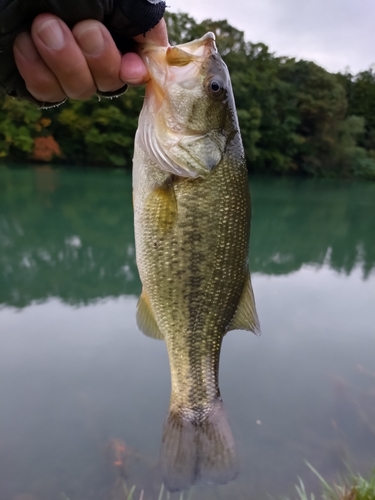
(57, 62)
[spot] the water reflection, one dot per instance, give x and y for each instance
(56, 225)
(65, 234)
(83, 394)
(298, 222)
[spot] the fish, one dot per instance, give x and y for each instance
(192, 216)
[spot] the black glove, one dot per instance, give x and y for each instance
(123, 18)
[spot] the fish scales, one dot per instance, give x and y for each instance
(196, 263)
(192, 225)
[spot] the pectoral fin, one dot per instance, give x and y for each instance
(198, 155)
(145, 318)
(246, 317)
(162, 204)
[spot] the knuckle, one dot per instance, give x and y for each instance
(87, 23)
(80, 94)
(106, 73)
(110, 85)
(45, 89)
(108, 81)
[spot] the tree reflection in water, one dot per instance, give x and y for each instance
(69, 233)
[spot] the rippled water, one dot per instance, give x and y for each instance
(83, 394)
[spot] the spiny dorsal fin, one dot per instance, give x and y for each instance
(246, 317)
(145, 318)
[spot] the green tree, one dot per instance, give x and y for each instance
(295, 117)
(18, 127)
(98, 132)
(360, 90)
(321, 104)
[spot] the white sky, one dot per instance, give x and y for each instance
(333, 33)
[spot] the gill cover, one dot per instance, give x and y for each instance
(182, 127)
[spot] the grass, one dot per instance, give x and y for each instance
(162, 496)
(355, 487)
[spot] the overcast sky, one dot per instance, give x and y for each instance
(333, 33)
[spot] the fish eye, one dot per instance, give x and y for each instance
(215, 88)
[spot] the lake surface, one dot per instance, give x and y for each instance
(83, 394)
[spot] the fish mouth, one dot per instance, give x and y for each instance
(190, 55)
(183, 54)
(203, 46)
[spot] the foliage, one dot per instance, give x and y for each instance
(18, 125)
(360, 91)
(295, 117)
(45, 148)
(97, 132)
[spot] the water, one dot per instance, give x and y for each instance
(78, 382)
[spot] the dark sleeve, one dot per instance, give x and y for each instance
(123, 18)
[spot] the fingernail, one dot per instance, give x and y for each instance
(25, 47)
(136, 81)
(51, 34)
(91, 40)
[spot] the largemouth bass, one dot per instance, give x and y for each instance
(192, 224)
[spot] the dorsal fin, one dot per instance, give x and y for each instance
(145, 318)
(246, 317)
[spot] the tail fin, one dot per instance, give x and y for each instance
(194, 450)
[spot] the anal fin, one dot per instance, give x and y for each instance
(246, 317)
(145, 318)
